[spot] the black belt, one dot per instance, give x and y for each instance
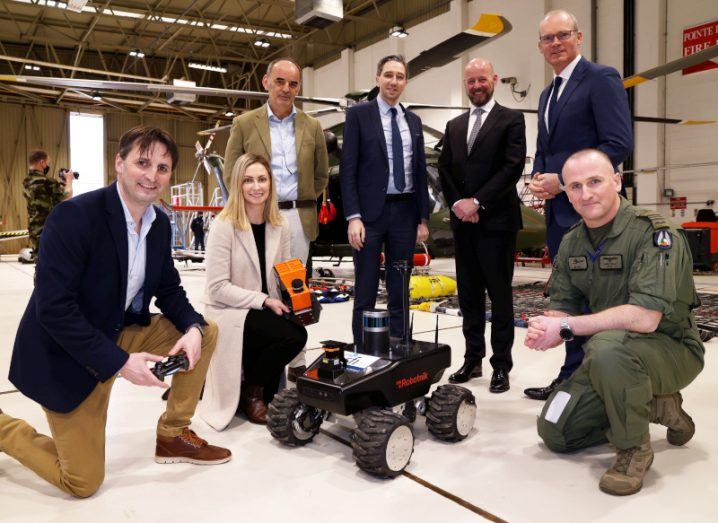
(296, 204)
(403, 197)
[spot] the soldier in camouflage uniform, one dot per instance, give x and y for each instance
(42, 194)
(634, 270)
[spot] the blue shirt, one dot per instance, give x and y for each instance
(136, 255)
(284, 155)
(385, 113)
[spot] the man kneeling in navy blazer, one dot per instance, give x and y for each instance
(105, 255)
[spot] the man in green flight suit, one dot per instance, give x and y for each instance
(634, 270)
(42, 193)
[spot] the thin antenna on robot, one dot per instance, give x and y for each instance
(436, 332)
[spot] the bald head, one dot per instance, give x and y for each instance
(597, 160)
(559, 15)
(592, 186)
(479, 80)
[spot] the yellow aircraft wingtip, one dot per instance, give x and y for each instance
(632, 81)
(490, 24)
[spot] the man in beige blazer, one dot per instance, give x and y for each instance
(293, 142)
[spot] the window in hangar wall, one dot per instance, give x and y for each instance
(87, 151)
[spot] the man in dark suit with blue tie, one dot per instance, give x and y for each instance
(384, 190)
(584, 107)
(106, 254)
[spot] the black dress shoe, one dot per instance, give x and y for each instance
(542, 393)
(499, 381)
(470, 369)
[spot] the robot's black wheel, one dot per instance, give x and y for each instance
(451, 412)
(291, 421)
(383, 443)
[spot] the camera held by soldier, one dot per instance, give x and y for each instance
(63, 172)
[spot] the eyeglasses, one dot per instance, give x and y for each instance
(561, 35)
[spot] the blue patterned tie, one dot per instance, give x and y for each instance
(397, 152)
(552, 104)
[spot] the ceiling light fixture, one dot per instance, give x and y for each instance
(229, 113)
(262, 42)
(137, 53)
(398, 32)
(76, 5)
(96, 96)
(207, 67)
(31, 67)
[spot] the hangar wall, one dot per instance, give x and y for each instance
(23, 128)
(659, 34)
(27, 127)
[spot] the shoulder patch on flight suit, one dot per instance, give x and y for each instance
(577, 263)
(658, 221)
(663, 239)
(610, 262)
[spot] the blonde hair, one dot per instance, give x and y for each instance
(235, 210)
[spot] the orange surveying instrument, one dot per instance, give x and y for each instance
(304, 307)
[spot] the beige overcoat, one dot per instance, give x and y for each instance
(233, 286)
(250, 134)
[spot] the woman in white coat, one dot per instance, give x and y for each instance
(242, 296)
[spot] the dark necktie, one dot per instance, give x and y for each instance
(552, 104)
(397, 152)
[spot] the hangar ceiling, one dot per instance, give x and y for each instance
(45, 37)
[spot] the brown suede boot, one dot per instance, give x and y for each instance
(188, 447)
(251, 402)
(626, 474)
(667, 411)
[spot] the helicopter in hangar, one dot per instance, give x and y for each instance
(333, 237)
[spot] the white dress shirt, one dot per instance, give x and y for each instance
(406, 143)
(284, 154)
(486, 109)
(136, 254)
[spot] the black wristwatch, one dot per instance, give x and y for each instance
(198, 326)
(566, 332)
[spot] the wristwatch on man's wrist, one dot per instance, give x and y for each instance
(198, 326)
(566, 332)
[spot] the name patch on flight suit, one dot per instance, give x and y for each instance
(577, 263)
(610, 262)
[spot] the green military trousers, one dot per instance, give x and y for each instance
(608, 397)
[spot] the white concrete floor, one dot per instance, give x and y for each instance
(500, 472)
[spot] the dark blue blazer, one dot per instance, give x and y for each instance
(66, 341)
(591, 113)
(364, 167)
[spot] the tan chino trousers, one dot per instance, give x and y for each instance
(74, 458)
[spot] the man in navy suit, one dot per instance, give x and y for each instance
(584, 107)
(105, 255)
(384, 190)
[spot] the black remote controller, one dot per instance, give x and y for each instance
(171, 366)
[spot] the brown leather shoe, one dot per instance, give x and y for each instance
(251, 402)
(188, 447)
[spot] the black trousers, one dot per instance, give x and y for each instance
(199, 242)
(270, 342)
(485, 262)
